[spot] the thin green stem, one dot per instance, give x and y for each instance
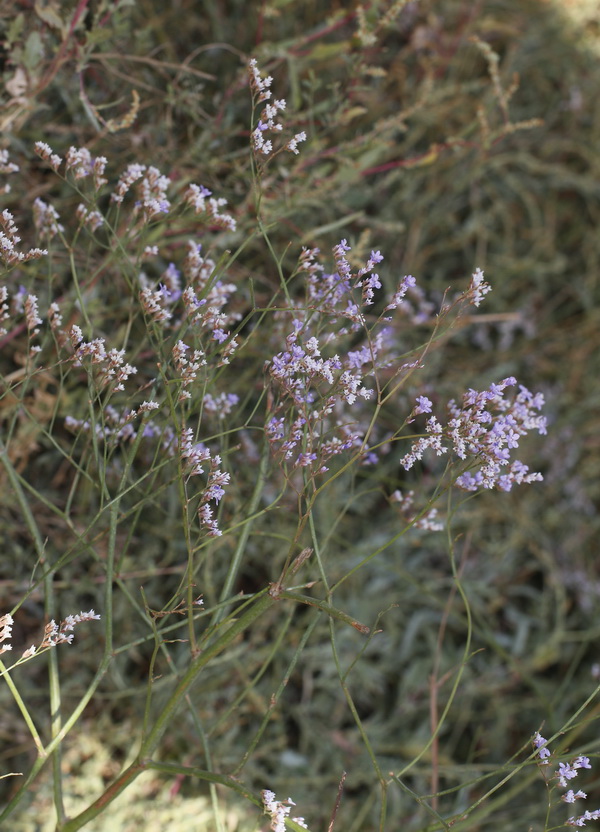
(236, 561)
(258, 607)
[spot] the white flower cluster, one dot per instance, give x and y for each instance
(53, 633)
(279, 810)
(8, 241)
(113, 366)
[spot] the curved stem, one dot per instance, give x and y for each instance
(262, 603)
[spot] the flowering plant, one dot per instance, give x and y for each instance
(177, 384)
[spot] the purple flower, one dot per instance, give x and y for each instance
(423, 405)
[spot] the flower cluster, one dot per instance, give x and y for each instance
(194, 456)
(6, 167)
(113, 367)
(487, 427)
(6, 622)
(48, 155)
(152, 190)
(93, 219)
(32, 317)
(268, 118)
(208, 312)
(313, 388)
(9, 238)
(319, 390)
(26, 304)
(427, 521)
(130, 175)
(358, 281)
(279, 810)
(187, 367)
(53, 633)
(118, 426)
(478, 288)
(203, 300)
(154, 303)
(79, 161)
(45, 218)
(334, 292)
(203, 202)
(221, 405)
(563, 775)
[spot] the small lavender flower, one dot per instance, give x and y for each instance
(95, 349)
(407, 282)
(153, 190)
(564, 773)
(117, 369)
(544, 752)
(75, 335)
(221, 405)
(194, 455)
(98, 168)
(146, 407)
(423, 405)
(571, 796)
(587, 815)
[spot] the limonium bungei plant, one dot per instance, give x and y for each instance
(156, 395)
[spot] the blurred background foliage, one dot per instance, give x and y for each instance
(449, 135)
